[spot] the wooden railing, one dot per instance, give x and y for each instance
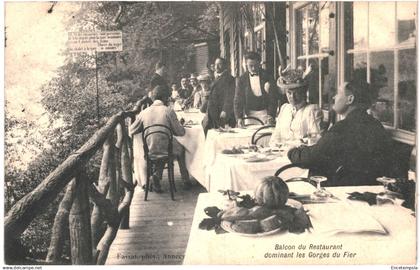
(111, 198)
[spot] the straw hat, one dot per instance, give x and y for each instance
(293, 78)
(203, 77)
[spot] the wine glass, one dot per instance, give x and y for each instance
(385, 196)
(313, 138)
(319, 193)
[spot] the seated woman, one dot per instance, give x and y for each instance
(159, 113)
(297, 119)
(201, 97)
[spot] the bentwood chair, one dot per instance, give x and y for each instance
(337, 175)
(152, 159)
(253, 118)
(261, 133)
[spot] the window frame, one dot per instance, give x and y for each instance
(320, 55)
(397, 133)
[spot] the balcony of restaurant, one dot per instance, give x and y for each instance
(245, 200)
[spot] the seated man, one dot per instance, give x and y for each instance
(158, 113)
(297, 119)
(185, 91)
(358, 146)
(253, 94)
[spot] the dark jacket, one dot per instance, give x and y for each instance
(159, 80)
(184, 93)
(222, 91)
(245, 99)
(359, 144)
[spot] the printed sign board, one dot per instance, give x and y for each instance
(104, 41)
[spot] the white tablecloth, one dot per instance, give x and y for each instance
(395, 245)
(220, 171)
(235, 173)
(217, 141)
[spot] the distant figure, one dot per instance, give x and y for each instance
(358, 147)
(158, 113)
(174, 93)
(297, 119)
(211, 70)
(220, 105)
(201, 98)
(185, 90)
(254, 94)
(158, 79)
(195, 87)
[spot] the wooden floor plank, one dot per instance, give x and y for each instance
(159, 228)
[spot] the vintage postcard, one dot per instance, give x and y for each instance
(210, 133)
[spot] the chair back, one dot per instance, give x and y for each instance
(165, 130)
(400, 161)
(259, 135)
(253, 118)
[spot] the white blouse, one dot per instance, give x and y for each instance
(294, 125)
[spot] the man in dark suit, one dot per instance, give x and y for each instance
(254, 94)
(185, 90)
(358, 147)
(220, 104)
(158, 79)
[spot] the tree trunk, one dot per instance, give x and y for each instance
(61, 224)
(80, 234)
(127, 177)
(112, 174)
(103, 186)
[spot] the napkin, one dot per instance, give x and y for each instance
(342, 218)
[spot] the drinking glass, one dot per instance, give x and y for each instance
(319, 193)
(386, 196)
(313, 138)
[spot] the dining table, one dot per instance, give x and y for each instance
(343, 231)
(238, 171)
(246, 171)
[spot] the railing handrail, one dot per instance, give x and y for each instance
(32, 204)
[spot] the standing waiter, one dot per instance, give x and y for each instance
(254, 94)
(158, 79)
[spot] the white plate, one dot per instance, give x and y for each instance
(227, 225)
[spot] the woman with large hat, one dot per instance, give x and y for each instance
(297, 119)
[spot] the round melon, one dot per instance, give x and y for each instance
(272, 192)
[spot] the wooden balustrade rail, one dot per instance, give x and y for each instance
(111, 198)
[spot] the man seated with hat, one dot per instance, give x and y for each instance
(297, 119)
(354, 151)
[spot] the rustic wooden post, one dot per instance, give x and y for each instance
(61, 225)
(113, 196)
(127, 176)
(111, 173)
(32, 204)
(103, 186)
(80, 233)
(118, 147)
